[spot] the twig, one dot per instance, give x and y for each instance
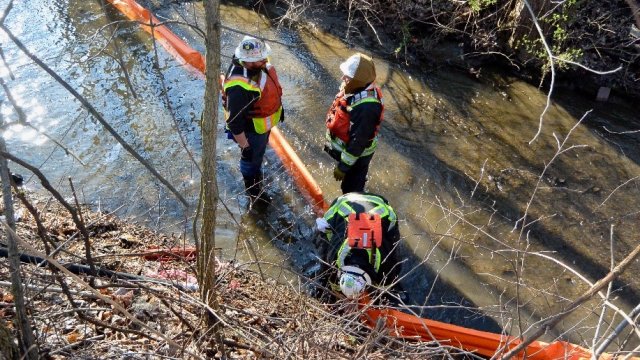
(551, 322)
(167, 101)
(42, 231)
(76, 344)
(262, 352)
(4, 62)
(26, 339)
(95, 114)
(74, 215)
(559, 151)
(96, 293)
(22, 120)
(605, 72)
(551, 66)
(616, 189)
(608, 294)
(620, 132)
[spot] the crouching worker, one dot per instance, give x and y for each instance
(357, 241)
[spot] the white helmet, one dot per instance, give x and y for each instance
(353, 281)
(350, 66)
(251, 49)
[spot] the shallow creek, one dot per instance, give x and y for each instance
(455, 160)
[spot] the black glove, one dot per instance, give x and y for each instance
(335, 154)
(17, 179)
(246, 154)
(338, 174)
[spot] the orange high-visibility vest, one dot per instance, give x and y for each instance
(338, 117)
(266, 112)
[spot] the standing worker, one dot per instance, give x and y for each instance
(252, 98)
(353, 121)
(357, 244)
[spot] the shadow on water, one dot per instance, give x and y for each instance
(566, 243)
(421, 128)
(614, 121)
(433, 145)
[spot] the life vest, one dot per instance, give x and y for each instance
(265, 112)
(364, 231)
(338, 117)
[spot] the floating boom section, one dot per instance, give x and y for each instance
(479, 342)
(170, 41)
(400, 324)
(177, 47)
(297, 169)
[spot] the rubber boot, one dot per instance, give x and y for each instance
(259, 200)
(263, 199)
(250, 187)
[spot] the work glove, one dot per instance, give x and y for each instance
(246, 154)
(321, 224)
(335, 154)
(338, 174)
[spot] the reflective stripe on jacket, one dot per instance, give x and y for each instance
(339, 123)
(266, 112)
(342, 207)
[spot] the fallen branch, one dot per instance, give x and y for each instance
(84, 269)
(148, 331)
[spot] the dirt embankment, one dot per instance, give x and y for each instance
(594, 45)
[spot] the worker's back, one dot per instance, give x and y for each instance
(378, 259)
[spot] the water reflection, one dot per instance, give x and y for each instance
(453, 159)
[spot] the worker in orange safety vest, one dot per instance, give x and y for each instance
(357, 241)
(252, 98)
(353, 121)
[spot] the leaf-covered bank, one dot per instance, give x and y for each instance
(148, 309)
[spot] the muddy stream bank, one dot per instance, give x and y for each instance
(454, 160)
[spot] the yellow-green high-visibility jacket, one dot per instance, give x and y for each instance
(381, 263)
(253, 99)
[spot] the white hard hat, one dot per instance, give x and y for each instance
(350, 66)
(251, 49)
(353, 281)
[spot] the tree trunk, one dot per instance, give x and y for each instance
(209, 189)
(26, 339)
(635, 11)
(8, 349)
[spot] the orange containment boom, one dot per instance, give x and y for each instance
(401, 324)
(298, 171)
(174, 253)
(167, 38)
(176, 46)
(480, 342)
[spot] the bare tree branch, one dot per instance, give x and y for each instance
(551, 322)
(551, 66)
(95, 114)
(96, 293)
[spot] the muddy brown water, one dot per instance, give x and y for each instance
(454, 161)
